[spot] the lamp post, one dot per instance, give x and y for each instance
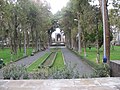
(104, 32)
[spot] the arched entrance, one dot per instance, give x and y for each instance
(58, 37)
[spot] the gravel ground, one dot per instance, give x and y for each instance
(81, 66)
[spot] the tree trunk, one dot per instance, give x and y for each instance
(79, 33)
(20, 40)
(15, 35)
(70, 42)
(28, 39)
(39, 46)
(32, 33)
(119, 37)
(67, 40)
(11, 45)
(98, 54)
(2, 38)
(25, 43)
(85, 49)
(50, 39)
(11, 39)
(107, 33)
(36, 41)
(2, 44)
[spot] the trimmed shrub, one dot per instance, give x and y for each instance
(15, 72)
(53, 73)
(103, 70)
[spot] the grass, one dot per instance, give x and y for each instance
(59, 62)
(115, 54)
(34, 66)
(7, 57)
(91, 54)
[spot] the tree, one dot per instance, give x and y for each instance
(85, 14)
(22, 23)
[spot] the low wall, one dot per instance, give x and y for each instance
(115, 68)
(62, 84)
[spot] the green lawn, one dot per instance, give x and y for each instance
(91, 54)
(7, 57)
(59, 62)
(115, 54)
(34, 66)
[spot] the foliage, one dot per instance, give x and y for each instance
(19, 72)
(66, 73)
(85, 13)
(103, 70)
(15, 72)
(24, 23)
(114, 14)
(55, 73)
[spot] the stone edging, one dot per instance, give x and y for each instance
(63, 58)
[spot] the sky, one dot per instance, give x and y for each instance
(57, 5)
(96, 2)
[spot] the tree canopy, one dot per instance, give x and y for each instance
(24, 22)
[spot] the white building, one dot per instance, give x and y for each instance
(58, 36)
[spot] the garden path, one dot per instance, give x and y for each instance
(81, 66)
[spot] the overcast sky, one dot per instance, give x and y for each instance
(57, 5)
(96, 2)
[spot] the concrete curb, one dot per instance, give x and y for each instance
(63, 58)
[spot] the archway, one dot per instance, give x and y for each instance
(58, 37)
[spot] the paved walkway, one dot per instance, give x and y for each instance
(70, 84)
(82, 67)
(28, 60)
